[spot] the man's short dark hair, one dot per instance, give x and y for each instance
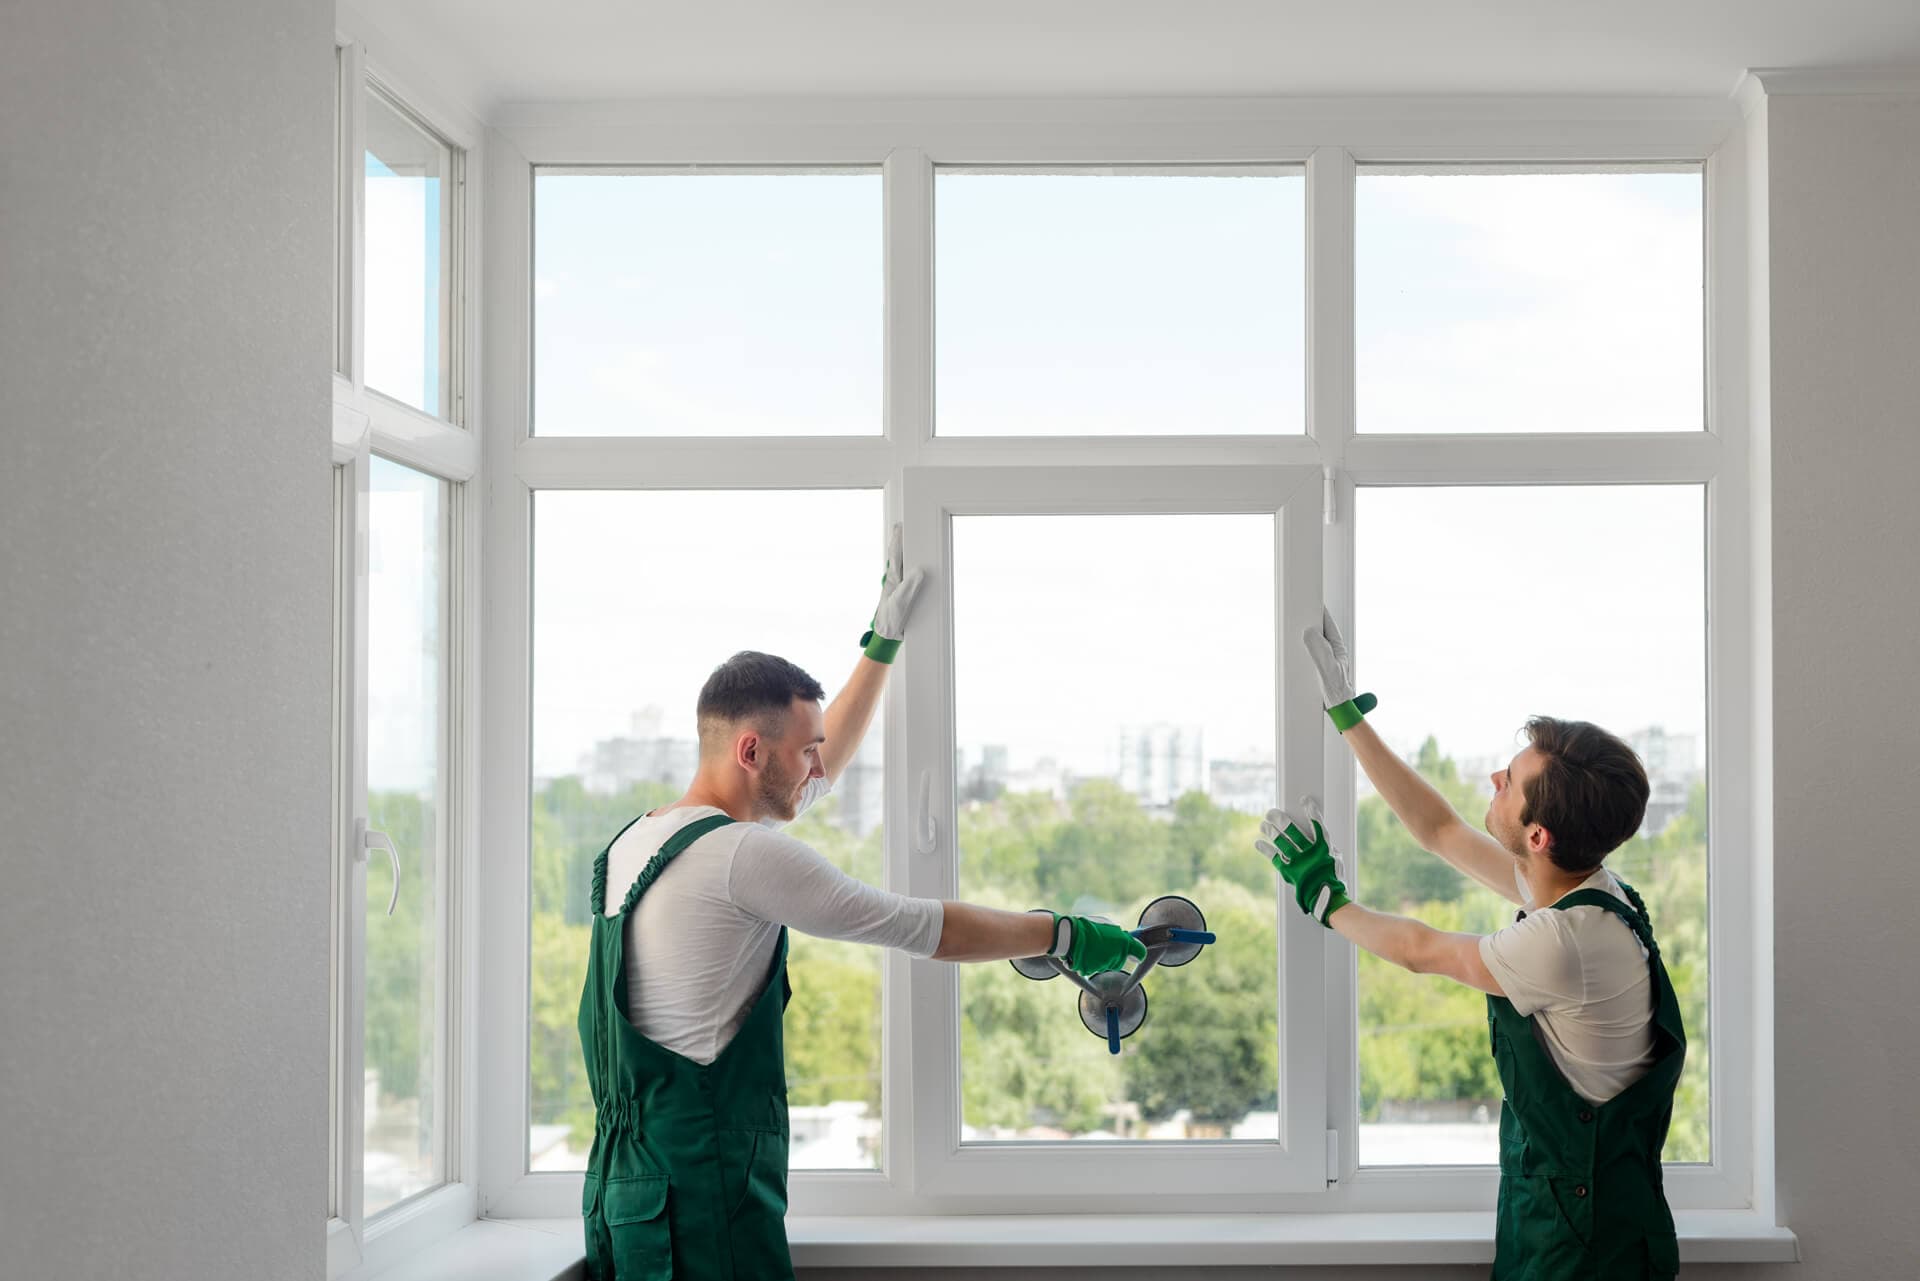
(753, 685)
(1590, 793)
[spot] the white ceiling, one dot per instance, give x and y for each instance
(500, 51)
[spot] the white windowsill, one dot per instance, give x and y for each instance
(550, 1249)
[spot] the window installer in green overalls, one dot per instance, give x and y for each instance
(680, 1019)
(1585, 1028)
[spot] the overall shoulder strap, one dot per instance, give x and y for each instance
(676, 843)
(598, 898)
(1633, 913)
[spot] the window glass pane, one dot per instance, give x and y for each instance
(1530, 302)
(709, 304)
(626, 629)
(1110, 753)
(1598, 613)
(406, 609)
(408, 310)
(1096, 303)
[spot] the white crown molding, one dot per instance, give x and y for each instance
(1784, 82)
(1107, 109)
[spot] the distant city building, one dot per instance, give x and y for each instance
(861, 792)
(1249, 786)
(1159, 762)
(1666, 755)
(1673, 766)
(644, 755)
(1666, 802)
(994, 774)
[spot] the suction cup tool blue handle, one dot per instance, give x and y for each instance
(1113, 1029)
(1191, 936)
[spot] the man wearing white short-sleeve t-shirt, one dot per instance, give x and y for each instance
(1583, 978)
(682, 1012)
(1583, 1022)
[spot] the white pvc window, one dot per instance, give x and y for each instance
(625, 632)
(707, 304)
(403, 1115)
(1070, 690)
(403, 629)
(409, 250)
(1621, 572)
(1266, 489)
(1120, 302)
(1510, 300)
(1136, 775)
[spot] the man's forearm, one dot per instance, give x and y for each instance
(1391, 938)
(973, 933)
(851, 713)
(1409, 796)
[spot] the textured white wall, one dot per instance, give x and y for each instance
(164, 670)
(1844, 206)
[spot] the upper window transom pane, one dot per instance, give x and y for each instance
(1493, 301)
(409, 311)
(707, 304)
(1120, 303)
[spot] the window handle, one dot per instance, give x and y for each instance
(926, 829)
(371, 837)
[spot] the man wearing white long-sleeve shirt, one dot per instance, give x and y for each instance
(680, 1020)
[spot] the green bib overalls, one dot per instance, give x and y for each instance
(688, 1173)
(1580, 1183)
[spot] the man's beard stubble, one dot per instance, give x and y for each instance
(776, 793)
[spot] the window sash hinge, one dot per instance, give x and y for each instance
(1333, 1157)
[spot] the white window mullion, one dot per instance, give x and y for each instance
(908, 227)
(1623, 458)
(1330, 410)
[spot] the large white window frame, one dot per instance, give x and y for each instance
(365, 424)
(1201, 1174)
(1330, 137)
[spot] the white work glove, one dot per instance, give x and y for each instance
(882, 641)
(1328, 650)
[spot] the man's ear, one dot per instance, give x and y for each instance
(746, 751)
(1539, 840)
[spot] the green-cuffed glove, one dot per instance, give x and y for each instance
(1328, 650)
(1093, 947)
(882, 640)
(1307, 863)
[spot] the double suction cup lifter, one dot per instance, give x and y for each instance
(1113, 1004)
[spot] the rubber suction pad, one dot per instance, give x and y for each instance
(1182, 914)
(1113, 985)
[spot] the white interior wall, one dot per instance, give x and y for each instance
(164, 669)
(1844, 268)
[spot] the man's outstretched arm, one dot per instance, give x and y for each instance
(1296, 844)
(851, 712)
(1416, 946)
(1429, 819)
(850, 715)
(1425, 812)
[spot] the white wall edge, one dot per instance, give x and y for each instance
(1778, 82)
